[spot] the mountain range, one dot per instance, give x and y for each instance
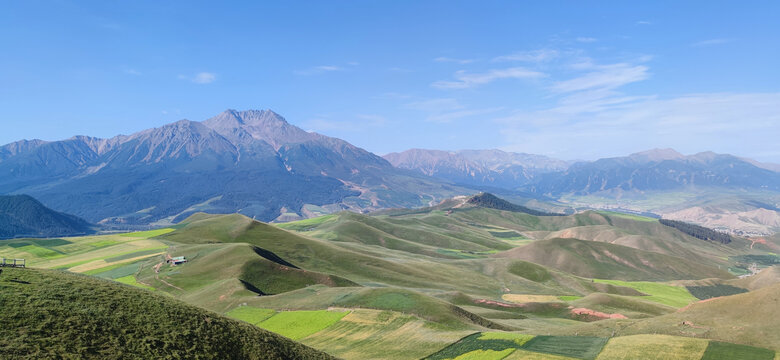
(253, 162)
(256, 163)
(657, 169)
(478, 167)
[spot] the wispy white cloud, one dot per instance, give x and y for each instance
(359, 122)
(690, 123)
(320, 69)
(446, 110)
(200, 78)
(644, 22)
(533, 56)
(465, 80)
(450, 116)
(712, 42)
(435, 105)
(604, 77)
(453, 60)
(586, 39)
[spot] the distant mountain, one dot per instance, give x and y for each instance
(477, 167)
(659, 169)
(253, 162)
(23, 216)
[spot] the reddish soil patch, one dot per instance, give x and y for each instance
(598, 315)
(757, 241)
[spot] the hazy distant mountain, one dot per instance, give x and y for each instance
(23, 216)
(659, 169)
(253, 162)
(477, 167)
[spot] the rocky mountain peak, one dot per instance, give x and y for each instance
(657, 155)
(243, 127)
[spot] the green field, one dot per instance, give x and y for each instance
(717, 350)
(676, 296)
(250, 314)
(487, 345)
(653, 347)
(708, 292)
(582, 347)
(130, 280)
(300, 324)
(149, 233)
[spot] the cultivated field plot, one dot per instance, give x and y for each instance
(522, 299)
(676, 296)
(581, 347)
(251, 314)
(382, 334)
(483, 346)
(717, 350)
(708, 292)
(496, 345)
(82, 254)
(653, 347)
(297, 325)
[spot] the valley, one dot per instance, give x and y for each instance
(470, 277)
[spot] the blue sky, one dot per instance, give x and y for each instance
(574, 80)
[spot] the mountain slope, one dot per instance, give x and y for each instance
(608, 261)
(50, 313)
(23, 216)
(253, 162)
(746, 318)
(477, 167)
(660, 169)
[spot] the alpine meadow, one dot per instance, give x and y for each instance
(389, 180)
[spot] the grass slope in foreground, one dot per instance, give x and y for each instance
(53, 314)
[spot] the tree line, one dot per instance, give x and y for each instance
(699, 232)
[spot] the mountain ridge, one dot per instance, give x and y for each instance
(253, 161)
(22, 215)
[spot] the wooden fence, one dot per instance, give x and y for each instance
(12, 263)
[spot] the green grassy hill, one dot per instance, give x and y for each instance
(53, 314)
(407, 283)
(608, 261)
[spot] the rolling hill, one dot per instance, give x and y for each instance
(608, 261)
(23, 216)
(418, 280)
(49, 313)
(746, 318)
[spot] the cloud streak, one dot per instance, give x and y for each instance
(464, 80)
(605, 77)
(712, 42)
(200, 78)
(444, 59)
(534, 56)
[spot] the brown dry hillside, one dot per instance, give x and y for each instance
(767, 277)
(609, 261)
(751, 318)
